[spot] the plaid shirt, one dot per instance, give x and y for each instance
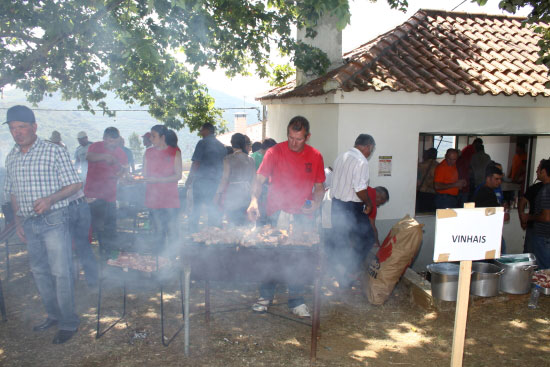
(45, 169)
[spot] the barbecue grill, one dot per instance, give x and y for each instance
(131, 265)
(261, 263)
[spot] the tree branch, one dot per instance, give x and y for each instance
(24, 37)
(41, 52)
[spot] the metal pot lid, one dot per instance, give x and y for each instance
(514, 260)
(444, 268)
(486, 268)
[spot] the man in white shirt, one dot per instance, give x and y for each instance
(80, 161)
(352, 233)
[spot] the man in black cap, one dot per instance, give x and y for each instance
(40, 178)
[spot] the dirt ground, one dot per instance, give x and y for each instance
(353, 333)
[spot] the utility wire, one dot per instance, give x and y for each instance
(458, 5)
(123, 110)
(131, 110)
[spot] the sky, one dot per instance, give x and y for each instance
(368, 20)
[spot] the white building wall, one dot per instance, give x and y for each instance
(498, 147)
(395, 120)
(541, 150)
(323, 121)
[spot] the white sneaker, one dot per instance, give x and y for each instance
(301, 311)
(261, 305)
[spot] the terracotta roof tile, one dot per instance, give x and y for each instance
(440, 52)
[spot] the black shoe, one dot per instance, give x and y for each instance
(63, 336)
(45, 325)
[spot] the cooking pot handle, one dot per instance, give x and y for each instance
(529, 267)
(500, 272)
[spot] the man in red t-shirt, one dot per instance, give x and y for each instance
(106, 163)
(464, 169)
(378, 195)
(296, 174)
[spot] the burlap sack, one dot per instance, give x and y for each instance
(392, 259)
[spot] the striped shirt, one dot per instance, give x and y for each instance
(542, 202)
(45, 169)
(351, 175)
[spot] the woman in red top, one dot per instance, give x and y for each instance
(162, 167)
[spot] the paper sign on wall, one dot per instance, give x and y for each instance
(384, 165)
(468, 234)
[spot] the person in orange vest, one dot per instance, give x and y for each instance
(446, 182)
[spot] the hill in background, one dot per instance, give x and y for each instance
(55, 114)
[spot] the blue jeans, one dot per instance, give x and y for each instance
(529, 244)
(541, 250)
(351, 239)
(444, 201)
(104, 224)
(50, 257)
(203, 195)
(296, 289)
(79, 225)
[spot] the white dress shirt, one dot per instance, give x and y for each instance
(351, 175)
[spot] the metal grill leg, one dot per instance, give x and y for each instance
(2, 304)
(164, 341)
(187, 280)
(316, 321)
(100, 333)
(207, 301)
(7, 259)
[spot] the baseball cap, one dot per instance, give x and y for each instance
(81, 135)
(20, 113)
(56, 137)
(146, 135)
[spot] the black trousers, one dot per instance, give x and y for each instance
(352, 236)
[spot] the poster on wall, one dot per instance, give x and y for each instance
(384, 165)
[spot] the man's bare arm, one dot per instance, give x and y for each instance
(522, 204)
(318, 194)
(253, 211)
(363, 195)
(373, 224)
(44, 204)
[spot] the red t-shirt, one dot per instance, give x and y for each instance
(160, 163)
(463, 165)
(292, 176)
(371, 192)
(101, 179)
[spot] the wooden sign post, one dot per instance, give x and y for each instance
(461, 311)
(465, 235)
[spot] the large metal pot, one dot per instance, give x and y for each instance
(518, 271)
(444, 280)
(485, 279)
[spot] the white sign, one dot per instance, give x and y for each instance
(384, 165)
(468, 234)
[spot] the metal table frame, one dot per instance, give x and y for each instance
(197, 253)
(155, 277)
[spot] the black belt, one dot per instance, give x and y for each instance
(77, 201)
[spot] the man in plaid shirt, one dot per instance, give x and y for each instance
(40, 177)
